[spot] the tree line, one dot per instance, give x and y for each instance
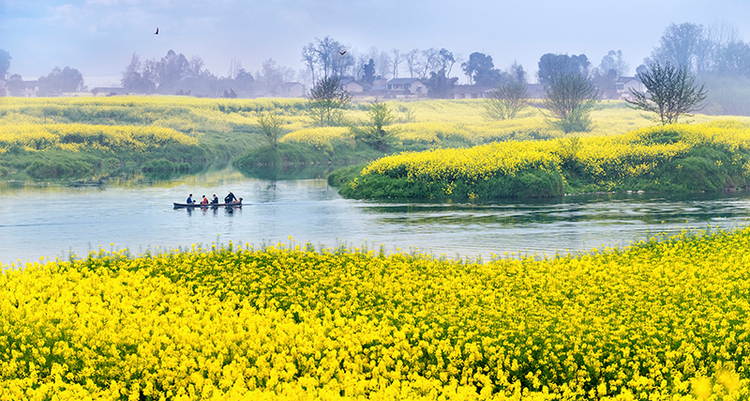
(715, 55)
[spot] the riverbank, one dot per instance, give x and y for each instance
(706, 157)
(300, 322)
(73, 138)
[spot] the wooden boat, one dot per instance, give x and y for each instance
(207, 205)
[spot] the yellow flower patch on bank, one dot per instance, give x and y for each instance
(77, 137)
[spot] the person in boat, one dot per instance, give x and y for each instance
(230, 198)
(204, 201)
(215, 200)
(189, 200)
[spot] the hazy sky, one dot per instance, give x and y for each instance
(98, 37)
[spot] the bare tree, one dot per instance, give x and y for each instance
(412, 62)
(308, 57)
(235, 65)
(507, 100)
(430, 62)
(671, 92)
(327, 57)
(396, 59)
(384, 64)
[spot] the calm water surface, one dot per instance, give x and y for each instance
(48, 222)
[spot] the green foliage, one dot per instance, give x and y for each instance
(570, 98)
(670, 159)
(439, 85)
(341, 176)
(269, 123)
(164, 166)
(527, 184)
(376, 132)
(61, 167)
(578, 120)
(327, 101)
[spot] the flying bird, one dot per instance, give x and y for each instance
(342, 52)
(157, 31)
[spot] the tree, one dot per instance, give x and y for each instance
(327, 101)
(369, 75)
(507, 100)
(271, 76)
(553, 65)
(613, 61)
(439, 85)
(679, 45)
(15, 85)
(396, 60)
(610, 69)
(309, 58)
(384, 64)
(446, 61)
(671, 92)
(733, 60)
(243, 81)
(428, 62)
(481, 70)
(516, 72)
(132, 79)
(375, 132)
(269, 123)
(327, 57)
(171, 70)
(570, 97)
(412, 62)
(59, 81)
(4, 63)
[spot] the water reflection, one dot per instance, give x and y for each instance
(287, 172)
(142, 218)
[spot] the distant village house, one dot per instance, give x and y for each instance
(407, 87)
(623, 85)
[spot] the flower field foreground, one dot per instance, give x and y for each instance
(678, 158)
(665, 319)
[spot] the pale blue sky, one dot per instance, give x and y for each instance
(98, 37)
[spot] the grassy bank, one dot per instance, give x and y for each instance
(659, 320)
(679, 158)
(90, 138)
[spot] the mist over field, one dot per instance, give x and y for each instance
(99, 37)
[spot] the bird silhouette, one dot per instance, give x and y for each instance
(157, 31)
(342, 53)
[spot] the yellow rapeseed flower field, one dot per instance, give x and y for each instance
(660, 320)
(605, 158)
(425, 122)
(76, 137)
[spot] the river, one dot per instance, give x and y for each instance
(40, 222)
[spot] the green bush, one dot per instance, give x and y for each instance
(528, 184)
(60, 168)
(159, 166)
